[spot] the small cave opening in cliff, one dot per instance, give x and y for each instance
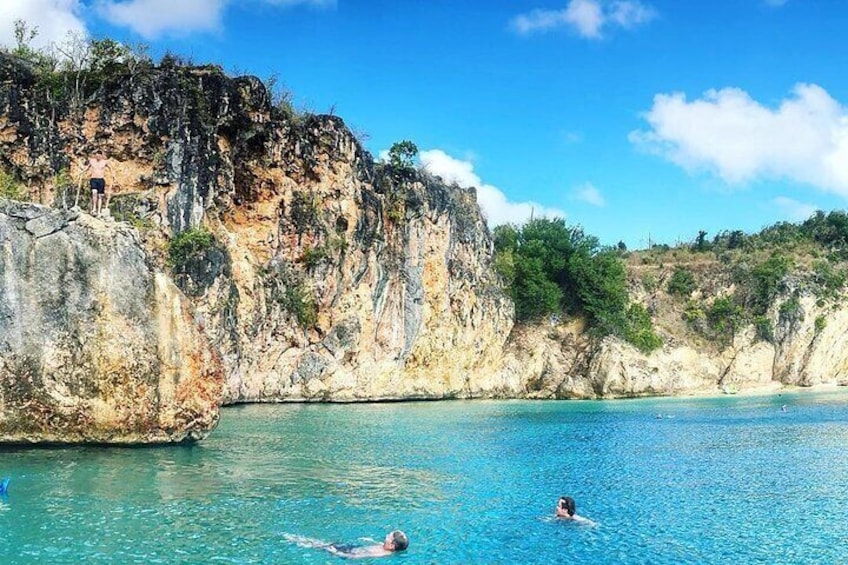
(341, 224)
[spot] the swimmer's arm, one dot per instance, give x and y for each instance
(362, 552)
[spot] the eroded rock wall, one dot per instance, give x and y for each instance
(808, 349)
(95, 344)
(330, 277)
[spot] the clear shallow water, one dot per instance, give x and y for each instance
(726, 480)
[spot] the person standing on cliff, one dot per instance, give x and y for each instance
(96, 168)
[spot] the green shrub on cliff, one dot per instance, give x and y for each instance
(188, 244)
(640, 331)
(402, 154)
(682, 282)
(10, 187)
(73, 69)
(551, 268)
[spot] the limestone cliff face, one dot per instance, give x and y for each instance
(95, 344)
(560, 361)
(330, 277)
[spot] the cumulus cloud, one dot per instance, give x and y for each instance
(794, 210)
(54, 19)
(154, 18)
(590, 194)
(588, 18)
(726, 132)
(494, 203)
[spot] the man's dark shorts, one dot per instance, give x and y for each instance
(99, 185)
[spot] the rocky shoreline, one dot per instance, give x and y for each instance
(258, 256)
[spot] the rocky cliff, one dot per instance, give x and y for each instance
(807, 348)
(322, 275)
(255, 254)
(95, 344)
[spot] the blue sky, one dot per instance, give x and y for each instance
(634, 119)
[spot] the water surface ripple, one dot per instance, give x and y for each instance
(725, 480)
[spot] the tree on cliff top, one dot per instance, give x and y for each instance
(551, 268)
(72, 69)
(402, 154)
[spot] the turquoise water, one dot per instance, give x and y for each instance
(725, 480)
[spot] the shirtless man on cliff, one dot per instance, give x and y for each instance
(96, 167)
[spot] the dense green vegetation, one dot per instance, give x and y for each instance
(72, 70)
(550, 269)
(724, 284)
(10, 187)
(192, 243)
(812, 253)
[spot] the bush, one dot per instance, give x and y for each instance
(299, 302)
(820, 324)
(640, 331)
(790, 311)
(649, 282)
(764, 329)
(601, 284)
(534, 294)
(766, 281)
(724, 318)
(829, 281)
(402, 155)
(550, 268)
(10, 187)
(312, 256)
(682, 282)
(189, 244)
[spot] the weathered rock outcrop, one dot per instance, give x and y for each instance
(327, 276)
(95, 344)
(808, 349)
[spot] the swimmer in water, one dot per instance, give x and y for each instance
(395, 541)
(567, 510)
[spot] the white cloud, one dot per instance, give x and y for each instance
(494, 203)
(153, 18)
(726, 132)
(590, 194)
(630, 14)
(794, 210)
(776, 3)
(55, 19)
(588, 18)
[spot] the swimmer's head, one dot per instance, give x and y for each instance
(396, 540)
(567, 504)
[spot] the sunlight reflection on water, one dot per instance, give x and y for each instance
(471, 482)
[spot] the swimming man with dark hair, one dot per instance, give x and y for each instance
(567, 510)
